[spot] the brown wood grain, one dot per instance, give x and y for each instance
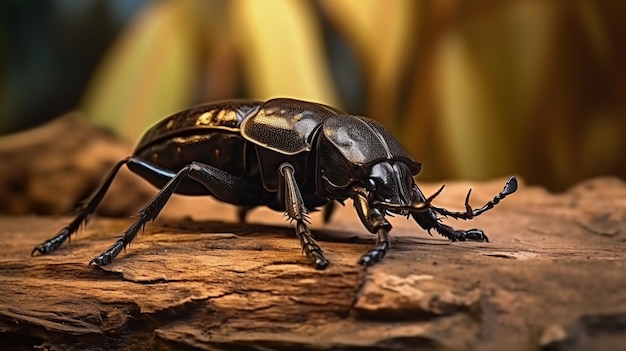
(553, 276)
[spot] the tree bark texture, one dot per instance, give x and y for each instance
(552, 277)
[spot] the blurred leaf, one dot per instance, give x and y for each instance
(473, 89)
(462, 100)
(599, 144)
(380, 32)
(148, 73)
(501, 58)
(420, 133)
(280, 46)
(222, 73)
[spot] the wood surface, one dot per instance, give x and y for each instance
(553, 276)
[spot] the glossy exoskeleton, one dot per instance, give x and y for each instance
(289, 155)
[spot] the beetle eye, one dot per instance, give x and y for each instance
(371, 184)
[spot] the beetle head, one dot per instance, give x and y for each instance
(392, 188)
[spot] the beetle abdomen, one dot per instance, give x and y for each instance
(208, 134)
(221, 150)
(225, 151)
(223, 116)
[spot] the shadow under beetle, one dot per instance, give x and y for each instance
(289, 155)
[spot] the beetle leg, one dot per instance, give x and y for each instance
(86, 209)
(428, 220)
(221, 184)
(327, 211)
(375, 221)
(242, 212)
(460, 235)
(295, 209)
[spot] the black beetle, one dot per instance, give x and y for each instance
(289, 155)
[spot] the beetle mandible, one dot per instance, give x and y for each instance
(290, 155)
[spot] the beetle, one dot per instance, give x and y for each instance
(289, 155)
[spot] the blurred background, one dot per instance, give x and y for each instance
(473, 89)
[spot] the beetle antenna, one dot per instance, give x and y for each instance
(509, 188)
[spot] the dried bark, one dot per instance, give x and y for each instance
(552, 277)
(49, 169)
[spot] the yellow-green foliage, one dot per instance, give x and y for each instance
(474, 89)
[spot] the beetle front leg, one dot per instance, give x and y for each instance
(295, 209)
(428, 220)
(375, 222)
